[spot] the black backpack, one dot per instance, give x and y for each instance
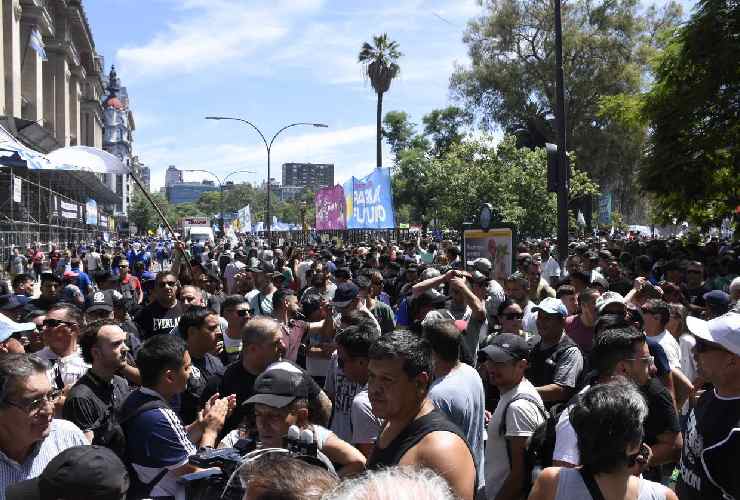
(139, 490)
(541, 444)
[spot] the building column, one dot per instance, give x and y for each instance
(59, 71)
(33, 75)
(74, 109)
(12, 55)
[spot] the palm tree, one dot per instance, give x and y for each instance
(379, 64)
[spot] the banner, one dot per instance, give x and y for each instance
(17, 189)
(605, 209)
(68, 210)
(496, 245)
(244, 220)
(370, 201)
(330, 205)
(91, 212)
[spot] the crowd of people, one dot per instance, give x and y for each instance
(412, 372)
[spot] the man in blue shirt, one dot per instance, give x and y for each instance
(157, 444)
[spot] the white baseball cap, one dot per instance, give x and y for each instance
(723, 330)
(8, 327)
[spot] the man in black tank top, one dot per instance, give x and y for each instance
(415, 433)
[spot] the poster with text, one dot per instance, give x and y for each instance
(496, 245)
(330, 208)
(370, 202)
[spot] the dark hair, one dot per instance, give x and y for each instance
(587, 295)
(159, 354)
(581, 276)
(414, 350)
(278, 476)
(520, 278)
(444, 338)
(19, 279)
(614, 345)
(14, 366)
(564, 290)
(232, 301)
(73, 312)
(310, 303)
(280, 295)
(658, 306)
(194, 317)
(357, 339)
(89, 336)
(102, 277)
(163, 274)
(608, 418)
(610, 321)
(503, 305)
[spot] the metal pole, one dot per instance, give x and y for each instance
(564, 169)
(269, 206)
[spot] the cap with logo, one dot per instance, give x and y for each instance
(81, 471)
(551, 305)
(723, 330)
(506, 347)
(102, 301)
(608, 298)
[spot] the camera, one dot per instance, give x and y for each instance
(218, 466)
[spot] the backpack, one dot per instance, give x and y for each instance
(541, 444)
(138, 489)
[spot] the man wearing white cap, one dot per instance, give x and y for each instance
(711, 449)
(10, 335)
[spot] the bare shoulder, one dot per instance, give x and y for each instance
(546, 485)
(437, 446)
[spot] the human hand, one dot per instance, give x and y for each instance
(214, 415)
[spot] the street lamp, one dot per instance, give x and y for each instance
(220, 188)
(268, 146)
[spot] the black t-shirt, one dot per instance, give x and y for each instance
(662, 416)
(155, 319)
(206, 372)
(91, 403)
(711, 450)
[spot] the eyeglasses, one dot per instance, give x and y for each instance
(648, 360)
(168, 284)
(243, 313)
(35, 406)
(53, 323)
(511, 316)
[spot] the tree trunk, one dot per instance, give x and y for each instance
(379, 132)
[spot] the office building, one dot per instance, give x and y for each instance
(308, 175)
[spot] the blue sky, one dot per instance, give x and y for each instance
(272, 62)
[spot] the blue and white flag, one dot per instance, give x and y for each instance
(37, 43)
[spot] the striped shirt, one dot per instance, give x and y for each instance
(64, 371)
(63, 435)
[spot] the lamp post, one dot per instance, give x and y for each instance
(563, 167)
(268, 146)
(220, 188)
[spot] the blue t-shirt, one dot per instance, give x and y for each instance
(156, 439)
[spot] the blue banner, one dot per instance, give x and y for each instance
(605, 209)
(370, 201)
(91, 212)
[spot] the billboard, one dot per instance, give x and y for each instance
(91, 212)
(369, 201)
(330, 205)
(496, 245)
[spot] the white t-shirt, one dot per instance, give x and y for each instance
(566, 441)
(69, 368)
(529, 319)
(522, 418)
(671, 348)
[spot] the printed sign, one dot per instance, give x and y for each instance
(496, 245)
(91, 212)
(369, 202)
(605, 209)
(17, 189)
(330, 208)
(244, 220)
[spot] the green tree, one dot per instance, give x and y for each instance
(380, 65)
(693, 166)
(143, 214)
(398, 131)
(444, 127)
(607, 45)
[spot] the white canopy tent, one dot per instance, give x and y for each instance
(88, 159)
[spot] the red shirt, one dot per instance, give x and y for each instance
(135, 283)
(580, 334)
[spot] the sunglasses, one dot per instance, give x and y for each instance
(168, 284)
(243, 313)
(53, 323)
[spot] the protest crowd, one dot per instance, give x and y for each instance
(151, 368)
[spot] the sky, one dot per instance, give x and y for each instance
(272, 62)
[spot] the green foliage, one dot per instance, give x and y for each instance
(608, 48)
(444, 128)
(693, 167)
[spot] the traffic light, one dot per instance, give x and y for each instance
(553, 168)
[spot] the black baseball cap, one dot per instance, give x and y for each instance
(93, 472)
(279, 385)
(101, 301)
(506, 347)
(344, 294)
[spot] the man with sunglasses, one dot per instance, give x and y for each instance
(129, 286)
(712, 448)
(236, 311)
(161, 316)
(61, 333)
(51, 286)
(29, 435)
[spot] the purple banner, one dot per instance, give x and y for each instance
(330, 208)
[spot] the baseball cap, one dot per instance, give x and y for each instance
(481, 265)
(551, 305)
(8, 327)
(12, 301)
(608, 298)
(344, 294)
(70, 274)
(506, 347)
(102, 301)
(92, 471)
(279, 385)
(267, 267)
(723, 330)
(717, 299)
(49, 276)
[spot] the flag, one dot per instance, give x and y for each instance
(36, 42)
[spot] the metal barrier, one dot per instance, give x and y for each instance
(345, 235)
